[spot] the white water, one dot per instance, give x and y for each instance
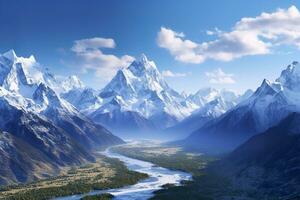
(158, 176)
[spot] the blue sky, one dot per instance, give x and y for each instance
(49, 30)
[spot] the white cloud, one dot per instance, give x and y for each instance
(168, 73)
(249, 36)
(218, 76)
(183, 50)
(216, 31)
(90, 57)
(92, 43)
(210, 32)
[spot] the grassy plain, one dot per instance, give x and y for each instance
(105, 173)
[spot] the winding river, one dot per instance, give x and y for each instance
(158, 176)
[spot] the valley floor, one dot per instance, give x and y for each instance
(177, 159)
(105, 173)
(206, 184)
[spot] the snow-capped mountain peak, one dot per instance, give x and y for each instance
(47, 99)
(266, 88)
(290, 77)
(184, 94)
(11, 55)
(15, 77)
(286, 88)
(143, 66)
(23, 75)
(270, 103)
(214, 108)
(38, 122)
(20, 74)
(205, 95)
(44, 94)
(142, 75)
(72, 82)
(142, 89)
(143, 58)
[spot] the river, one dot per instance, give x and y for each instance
(158, 176)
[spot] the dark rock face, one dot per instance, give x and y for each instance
(268, 162)
(33, 144)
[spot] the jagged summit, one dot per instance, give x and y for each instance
(143, 90)
(143, 58)
(74, 79)
(45, 94)
(72, 82)
(140, 93)
(265, 89)
(24, 74)
(141, 75)
(143, 65)
(290, 77)
(205, 95)
(11, 55)
(271, 102)
(184, 94)
(34, 114)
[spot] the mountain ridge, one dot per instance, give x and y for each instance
(34, 116)
(267, 158)
(140, 93)
(269, 104)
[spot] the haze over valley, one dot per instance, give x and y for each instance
(163, 114)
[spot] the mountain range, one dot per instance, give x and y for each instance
(267, 165)
(269, 104)
(47, 123)
(138, 102)
(61, 121)
(41, 132)
(212, 104)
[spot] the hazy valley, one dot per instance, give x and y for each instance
(158, 100)
(49, 125)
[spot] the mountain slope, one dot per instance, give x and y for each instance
(26, 78)
(212, 103)
(270, 103)
(26, 162)
(51, 144)
(268, 163)
(34, 116)
(65, 116)
(84, 99)
(139, 94)
(139, 101)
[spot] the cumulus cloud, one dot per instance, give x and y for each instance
(168, 73)
(249, 36)
(183, 50)
(90, 57)
(218, 76)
